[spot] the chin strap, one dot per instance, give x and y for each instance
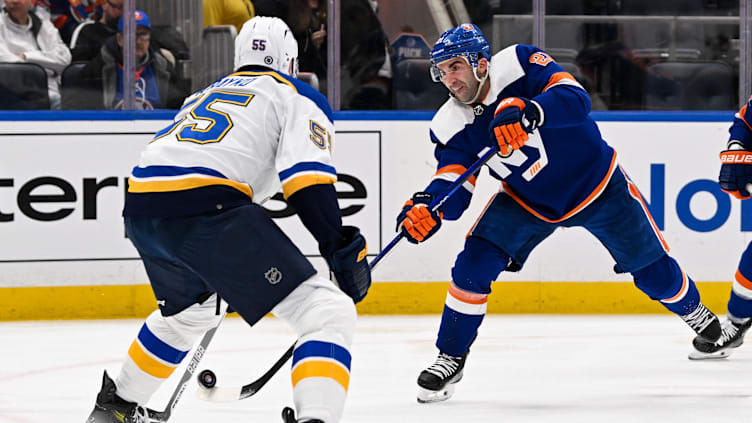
(480, 85)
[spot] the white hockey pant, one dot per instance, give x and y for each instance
(324, 319)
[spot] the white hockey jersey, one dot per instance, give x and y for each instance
(236, 141)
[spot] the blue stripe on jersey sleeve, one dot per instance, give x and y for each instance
(158, 347)
(145, 172)
(322, 349)
(304, 166)
(309, 92)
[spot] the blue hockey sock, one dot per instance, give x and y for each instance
(686, 299)
(739, 307)
(740, 302)
(666, 282)
(457, 331)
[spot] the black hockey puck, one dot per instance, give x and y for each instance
(207, 378)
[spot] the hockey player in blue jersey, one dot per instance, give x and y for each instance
(555, 171)
(735, 178)
(193, 213)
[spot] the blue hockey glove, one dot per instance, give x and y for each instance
(514, 118)
(349, 265)
(416, 221)
(736, 173)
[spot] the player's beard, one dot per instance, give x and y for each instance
(466, 91)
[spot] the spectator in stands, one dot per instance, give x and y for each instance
(228, 12)
(307, 20)
(308, 24)
(89, 36)
(366, 65)
(155, 76)
(366, 74)
(66, 15)
(24, 37)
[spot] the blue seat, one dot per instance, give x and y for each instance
(690, 86)
(73, 89)
(413, 88)
(23, 86)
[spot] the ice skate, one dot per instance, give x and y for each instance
(110, 408)
(732, 336)
(704, 323)
(288, 416)
(436, 383)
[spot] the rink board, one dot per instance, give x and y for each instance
(127, 301)
(63, 253)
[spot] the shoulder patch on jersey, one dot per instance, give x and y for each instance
(450, 119)
(299, 86)
(310, 93)
(505, 69)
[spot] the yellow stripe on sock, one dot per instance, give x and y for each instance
(147, 363)
(321, 369)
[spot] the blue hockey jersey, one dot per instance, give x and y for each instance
(561, 169)
(741, 130)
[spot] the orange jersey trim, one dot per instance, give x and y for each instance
(557, 77)
(638, 196)
(458, 169)
(596, 192)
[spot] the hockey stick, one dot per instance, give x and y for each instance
(208, 391)
(207, 380)
(163, 416)
(441, 199)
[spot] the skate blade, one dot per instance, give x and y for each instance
(426, 396)
(698, 355)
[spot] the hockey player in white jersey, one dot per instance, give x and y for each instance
(192, 211)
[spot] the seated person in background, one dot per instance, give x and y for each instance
(89, 35)
(66, 15)
(228, 12)
(26, 38)
(366, 71)
(155, 76)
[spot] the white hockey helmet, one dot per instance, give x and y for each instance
(267, 41)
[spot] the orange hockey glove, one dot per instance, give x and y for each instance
(736, 173)
(416, 221)
(514, 118)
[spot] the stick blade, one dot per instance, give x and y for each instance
(218, 394)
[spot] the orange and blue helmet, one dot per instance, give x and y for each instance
(465, 40)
